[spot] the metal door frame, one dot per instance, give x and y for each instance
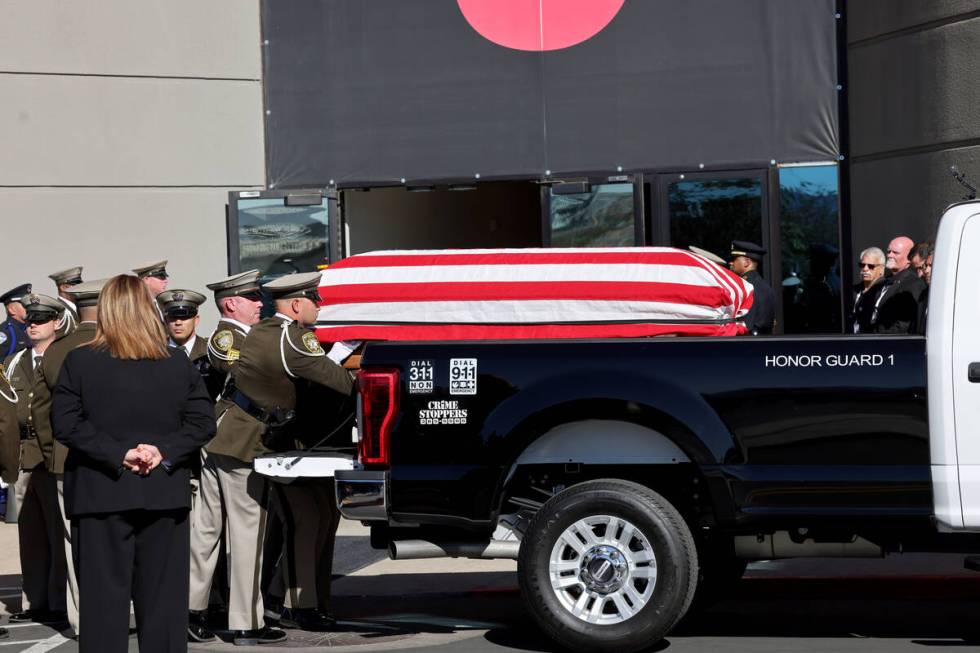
(768, 178)
(639, 204)
(334, 226)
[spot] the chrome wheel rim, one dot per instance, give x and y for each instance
(603, 569)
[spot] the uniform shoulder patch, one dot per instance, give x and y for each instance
(311, 343)
(223, 340)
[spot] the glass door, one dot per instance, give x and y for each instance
(594, 212)
(710, 210)
(281, 232)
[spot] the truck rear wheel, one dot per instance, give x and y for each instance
(607, 565)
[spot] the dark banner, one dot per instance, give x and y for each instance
(365, 92)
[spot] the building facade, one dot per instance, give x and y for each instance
(811, 127)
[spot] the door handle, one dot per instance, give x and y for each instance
(973, 373)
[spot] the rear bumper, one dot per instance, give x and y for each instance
(362, 495)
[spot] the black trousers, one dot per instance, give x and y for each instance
(143, 555)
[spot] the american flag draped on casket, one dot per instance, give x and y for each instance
(492, 294)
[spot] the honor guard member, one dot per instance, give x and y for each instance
(86, 298)
(13, 330)
(65, 279)
(711, 256)
(9, 442)
(42, 550)
(239, 300)
(745, 261)
(254, 417)
(308, 509)
(155, 276)
(181, 320)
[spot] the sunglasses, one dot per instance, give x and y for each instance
(163, 276)
(869, 266)
(39, 320)
(252, 296)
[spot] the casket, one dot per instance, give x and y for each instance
(495, 294)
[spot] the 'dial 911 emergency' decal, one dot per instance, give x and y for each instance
(462, 376)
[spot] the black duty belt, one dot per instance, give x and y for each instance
(275, 417)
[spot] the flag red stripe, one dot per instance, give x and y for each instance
(430, 332)
(712, 296)
(513, 258)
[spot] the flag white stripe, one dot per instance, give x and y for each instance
(680, 274)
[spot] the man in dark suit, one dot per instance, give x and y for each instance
(86, 297)
(42, 549)
(898, 303)
(13, 330)
(745, 260)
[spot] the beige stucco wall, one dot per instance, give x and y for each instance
(124, 124)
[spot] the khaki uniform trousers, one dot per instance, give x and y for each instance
(72, 598)
(42, 549)
(229, 492)
(310, 517)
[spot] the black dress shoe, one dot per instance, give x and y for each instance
(4, 633)
(23, 617)
(309, 619)
(258, 636)
(197, 628)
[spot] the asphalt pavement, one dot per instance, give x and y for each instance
(903, 603)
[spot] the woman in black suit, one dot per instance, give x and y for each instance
(133, 415)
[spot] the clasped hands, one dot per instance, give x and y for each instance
(143, 459)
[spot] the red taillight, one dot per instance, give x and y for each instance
(378, 407)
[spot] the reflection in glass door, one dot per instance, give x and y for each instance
(711, 212)
(593, 215)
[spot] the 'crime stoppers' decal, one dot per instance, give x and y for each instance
(462, 376)
(442, 413)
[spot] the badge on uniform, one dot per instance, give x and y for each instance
(223, 340)
(3, 337)
(311, 343)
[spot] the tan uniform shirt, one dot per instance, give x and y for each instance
(20, 373)
(44, 383)
(225, 347)
(276, 354)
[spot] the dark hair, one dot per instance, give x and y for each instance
(922, 250)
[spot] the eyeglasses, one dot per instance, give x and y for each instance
(869, 266)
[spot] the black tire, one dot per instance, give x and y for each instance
(668, 536)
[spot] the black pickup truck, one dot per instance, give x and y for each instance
(624, 475)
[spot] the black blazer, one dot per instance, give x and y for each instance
(898, 306)
(104, 406)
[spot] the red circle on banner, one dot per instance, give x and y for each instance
(539, 25)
